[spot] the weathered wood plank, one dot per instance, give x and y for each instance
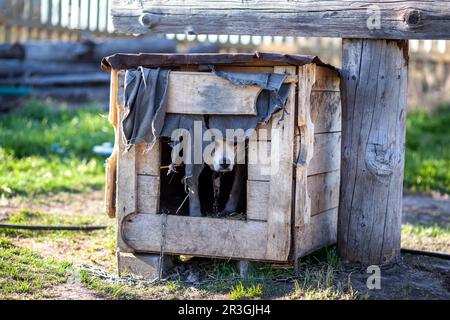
(258, 167)
(206, 93)
(304, 143)
(148, 161)
(327, 153)
(326, 111)
(126, 196)
(383, 19)
(319, 233)
(111, 162)
(374, 94)
(257, 200)
(324, 191)
(281, 184)
(148, 188)
(221, 238)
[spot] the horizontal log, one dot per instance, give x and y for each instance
(71, 79)
(33, 67)
(397, 19)
(91, 93)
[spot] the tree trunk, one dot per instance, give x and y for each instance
(374, 99)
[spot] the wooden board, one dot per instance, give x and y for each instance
(326, 111)
(206, 93)
(324, 191)
(126, 178)
(321, 232)
(258, 166)
(398, 19)
(327, 153)
(148, 188)
(221, 238)
(257, 200)
(281, 186)
(304, 144)
(148, 161)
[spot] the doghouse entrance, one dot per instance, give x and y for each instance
(173, 196)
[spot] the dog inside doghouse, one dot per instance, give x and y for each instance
(204, 176)
(214, 188)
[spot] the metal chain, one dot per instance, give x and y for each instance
(163, 240)
(216, 188)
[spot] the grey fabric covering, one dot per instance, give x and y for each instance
(145, 105)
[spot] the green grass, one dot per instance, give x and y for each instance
(114, 290)
(241, 291)
(427, 163)
(25, 273)
(434, 231)
(319, 278)
(44, 149)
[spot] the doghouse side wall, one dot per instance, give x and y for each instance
(316, 210)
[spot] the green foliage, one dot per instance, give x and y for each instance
(421, 230)
(44, 149)
(427, 162)
(25, 272)
(241, 291)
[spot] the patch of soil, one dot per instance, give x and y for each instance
(72, 291)
(421, 209)
(414, 278)
(64, 203)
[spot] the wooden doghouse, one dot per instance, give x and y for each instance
(288, 214)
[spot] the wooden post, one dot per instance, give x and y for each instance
(374, 98)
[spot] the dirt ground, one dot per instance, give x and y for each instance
(415, 277)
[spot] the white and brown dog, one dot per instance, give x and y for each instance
(222, 158)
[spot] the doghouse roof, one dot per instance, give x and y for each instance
(122, 61)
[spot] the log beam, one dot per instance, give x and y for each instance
(374, 98)
(382, 19)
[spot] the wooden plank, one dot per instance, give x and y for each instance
(148, 161)
(374, 101)
(206, 93)
(262, 132)
(142, 265)
(304, 144)
(148, 189)
(111, 162)
(258, 167)
(327, 153)
(220, 238)
(126, 177)
(257, 200)
(326, 111)
(321, 232)
(326, 80)
(383, 19)
(281, 186)
(324, 191)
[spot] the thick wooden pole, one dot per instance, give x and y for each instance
(374, 98)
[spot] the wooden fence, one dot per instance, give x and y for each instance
(22, 20)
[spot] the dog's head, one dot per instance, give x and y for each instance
(223, 156)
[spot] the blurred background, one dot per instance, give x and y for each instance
(54, 134)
